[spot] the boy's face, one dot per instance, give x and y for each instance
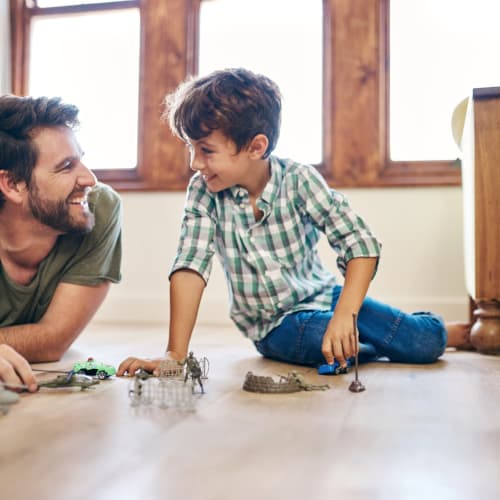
(220, 166)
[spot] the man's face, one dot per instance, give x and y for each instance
(60, 182)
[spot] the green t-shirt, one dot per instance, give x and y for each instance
(79, 259)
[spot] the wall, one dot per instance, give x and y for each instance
(421, 267)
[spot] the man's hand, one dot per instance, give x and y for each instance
(338, 341)
(15, 370)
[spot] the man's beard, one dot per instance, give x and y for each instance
(56, 214)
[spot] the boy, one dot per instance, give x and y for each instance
(263, 216)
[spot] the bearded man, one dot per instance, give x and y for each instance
(60, 230)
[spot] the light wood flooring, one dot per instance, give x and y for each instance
(417, 432)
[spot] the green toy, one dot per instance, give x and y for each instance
(93, 368)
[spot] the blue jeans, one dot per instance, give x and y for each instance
(384, 332)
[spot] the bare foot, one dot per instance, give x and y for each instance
(459, 335)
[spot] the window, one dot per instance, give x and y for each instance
(429, 78)
(294, 60)
(354, 105)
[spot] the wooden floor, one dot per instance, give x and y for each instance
(417, 432)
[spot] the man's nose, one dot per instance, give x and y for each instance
(86, 177)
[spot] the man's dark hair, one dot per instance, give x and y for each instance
(20, 117)
(238, 103)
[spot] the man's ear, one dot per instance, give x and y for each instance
(11, 189)
(258, 146)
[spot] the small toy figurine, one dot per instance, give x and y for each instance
(356, 385)
(194, 371)
(7, 398)
(95, 369)
(140, 392)
(293, 382)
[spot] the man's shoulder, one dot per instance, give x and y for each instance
(105, 204)
(104, 198)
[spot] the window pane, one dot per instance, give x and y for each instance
(439, 51)
(282, 40)
(92, 60)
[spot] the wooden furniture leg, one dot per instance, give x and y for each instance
(485, 332)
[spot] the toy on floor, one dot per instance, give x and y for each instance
(94, 368)
(356, 385)
(293, 382)
(165, 392)
(170, 388)
(69, 380)
(335, 368)
(193, 371)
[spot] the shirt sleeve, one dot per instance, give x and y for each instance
(196, 244)
(347, 233)
(98, 257)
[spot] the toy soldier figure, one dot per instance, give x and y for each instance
(193, 369)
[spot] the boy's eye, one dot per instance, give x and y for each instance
(206, 151)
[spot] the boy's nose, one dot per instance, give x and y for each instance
(194, 162)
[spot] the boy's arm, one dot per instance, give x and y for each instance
(186, 290)
(338, 341)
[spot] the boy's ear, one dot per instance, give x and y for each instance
(11, 189)
(258, 146)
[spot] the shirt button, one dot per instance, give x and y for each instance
(241, 193)
(279, 304)
(242, 205)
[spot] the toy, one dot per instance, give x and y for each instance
(335, 368)
(93, 368)
(293, 382)
(69, 380)
(356, 385)
(193, 370)
(167, 392)
(7, 398)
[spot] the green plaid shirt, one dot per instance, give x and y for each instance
(272, 267)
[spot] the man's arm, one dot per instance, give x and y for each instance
(186, 290)
(70, 310)
(338, 341)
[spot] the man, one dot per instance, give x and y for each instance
(60, 230)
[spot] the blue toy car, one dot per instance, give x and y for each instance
(335, 368)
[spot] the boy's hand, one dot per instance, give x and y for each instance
(15, 370)
(132, 365)
(339, 341)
